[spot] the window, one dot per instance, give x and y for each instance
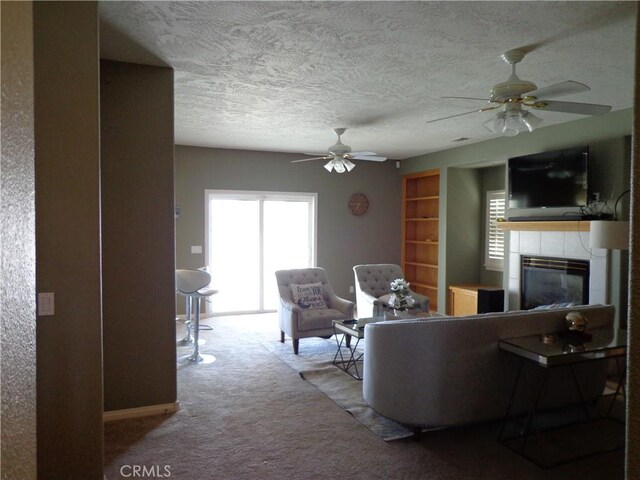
(250, 235)
(494, 236)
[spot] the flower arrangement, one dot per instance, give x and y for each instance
(400, 298)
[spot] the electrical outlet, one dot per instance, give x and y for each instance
(595, 197)
(351, 289)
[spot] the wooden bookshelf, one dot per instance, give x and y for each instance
(420, 224)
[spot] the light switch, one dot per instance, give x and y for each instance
(46, 304)
(196, 248)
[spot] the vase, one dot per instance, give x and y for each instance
(400, 313)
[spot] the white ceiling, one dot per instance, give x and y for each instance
(279, 76)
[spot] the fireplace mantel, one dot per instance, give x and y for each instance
(551, 226)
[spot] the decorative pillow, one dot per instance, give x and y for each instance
(308, 296)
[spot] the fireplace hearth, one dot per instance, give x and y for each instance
(553, 281)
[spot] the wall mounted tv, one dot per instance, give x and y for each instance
(549, 179)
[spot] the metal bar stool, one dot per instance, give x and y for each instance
(191, 284)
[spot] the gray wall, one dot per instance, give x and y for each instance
(17, 247)
(463, 225)
(344, 240)
(138, 278)
(67, 170)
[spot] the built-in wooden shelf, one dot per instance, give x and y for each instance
(420, 264)
(428, 197)
(554, 226)
(420, 228)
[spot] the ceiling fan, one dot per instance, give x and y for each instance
(513, 95)
(340, 156)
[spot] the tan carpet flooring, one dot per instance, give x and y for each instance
(251, 416)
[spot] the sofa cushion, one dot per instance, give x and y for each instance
(308, 296)
(314, 319)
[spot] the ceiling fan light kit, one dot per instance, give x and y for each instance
(340, 156)
(512, 121)
(515, 93)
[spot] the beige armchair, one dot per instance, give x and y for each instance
(373, 289)
(308, 304)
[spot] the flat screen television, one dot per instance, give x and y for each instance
(549, 179)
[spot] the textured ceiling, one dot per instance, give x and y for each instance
(279, 76)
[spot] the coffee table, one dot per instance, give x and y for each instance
(345, 331)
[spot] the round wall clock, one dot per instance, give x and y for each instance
(358, 204)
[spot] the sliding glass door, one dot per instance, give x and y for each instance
(250, 235)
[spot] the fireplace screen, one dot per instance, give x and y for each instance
(553, 281)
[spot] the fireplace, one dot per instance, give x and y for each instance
(553, 281)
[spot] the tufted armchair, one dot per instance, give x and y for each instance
(373, 289)
(300, 322)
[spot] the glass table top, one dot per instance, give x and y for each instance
(566, 347)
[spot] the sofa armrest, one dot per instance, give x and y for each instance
(344, 305)
(290, 307)
(422, 301)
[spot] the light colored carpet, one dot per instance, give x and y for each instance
(250, 416)
(314, 364)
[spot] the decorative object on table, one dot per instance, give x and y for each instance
(549, 338)
(576, 322)
(400, 299)
(576, 325)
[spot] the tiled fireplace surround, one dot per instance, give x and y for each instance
(573, 245)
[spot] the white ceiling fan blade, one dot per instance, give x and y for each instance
(486, 109)
(362, 153)
(558, 90)
(469, 98)
(573, 107)
(307, 159)
(372, 158)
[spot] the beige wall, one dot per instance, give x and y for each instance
(137, 235)
(69, 343)
(343, 239)
(17, 247)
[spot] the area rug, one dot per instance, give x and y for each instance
(314, 364)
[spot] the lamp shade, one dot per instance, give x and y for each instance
(609, 234)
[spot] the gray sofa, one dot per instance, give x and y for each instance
(445, 371)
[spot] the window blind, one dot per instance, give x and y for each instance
(494, 247)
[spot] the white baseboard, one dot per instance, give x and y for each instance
(137, 412)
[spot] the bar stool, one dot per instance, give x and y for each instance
(188, 339)
(191, 284)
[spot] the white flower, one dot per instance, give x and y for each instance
(400, 297)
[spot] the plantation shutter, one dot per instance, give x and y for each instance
(494, 248)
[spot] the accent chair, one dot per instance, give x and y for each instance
(308, 304)
(373, 289)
